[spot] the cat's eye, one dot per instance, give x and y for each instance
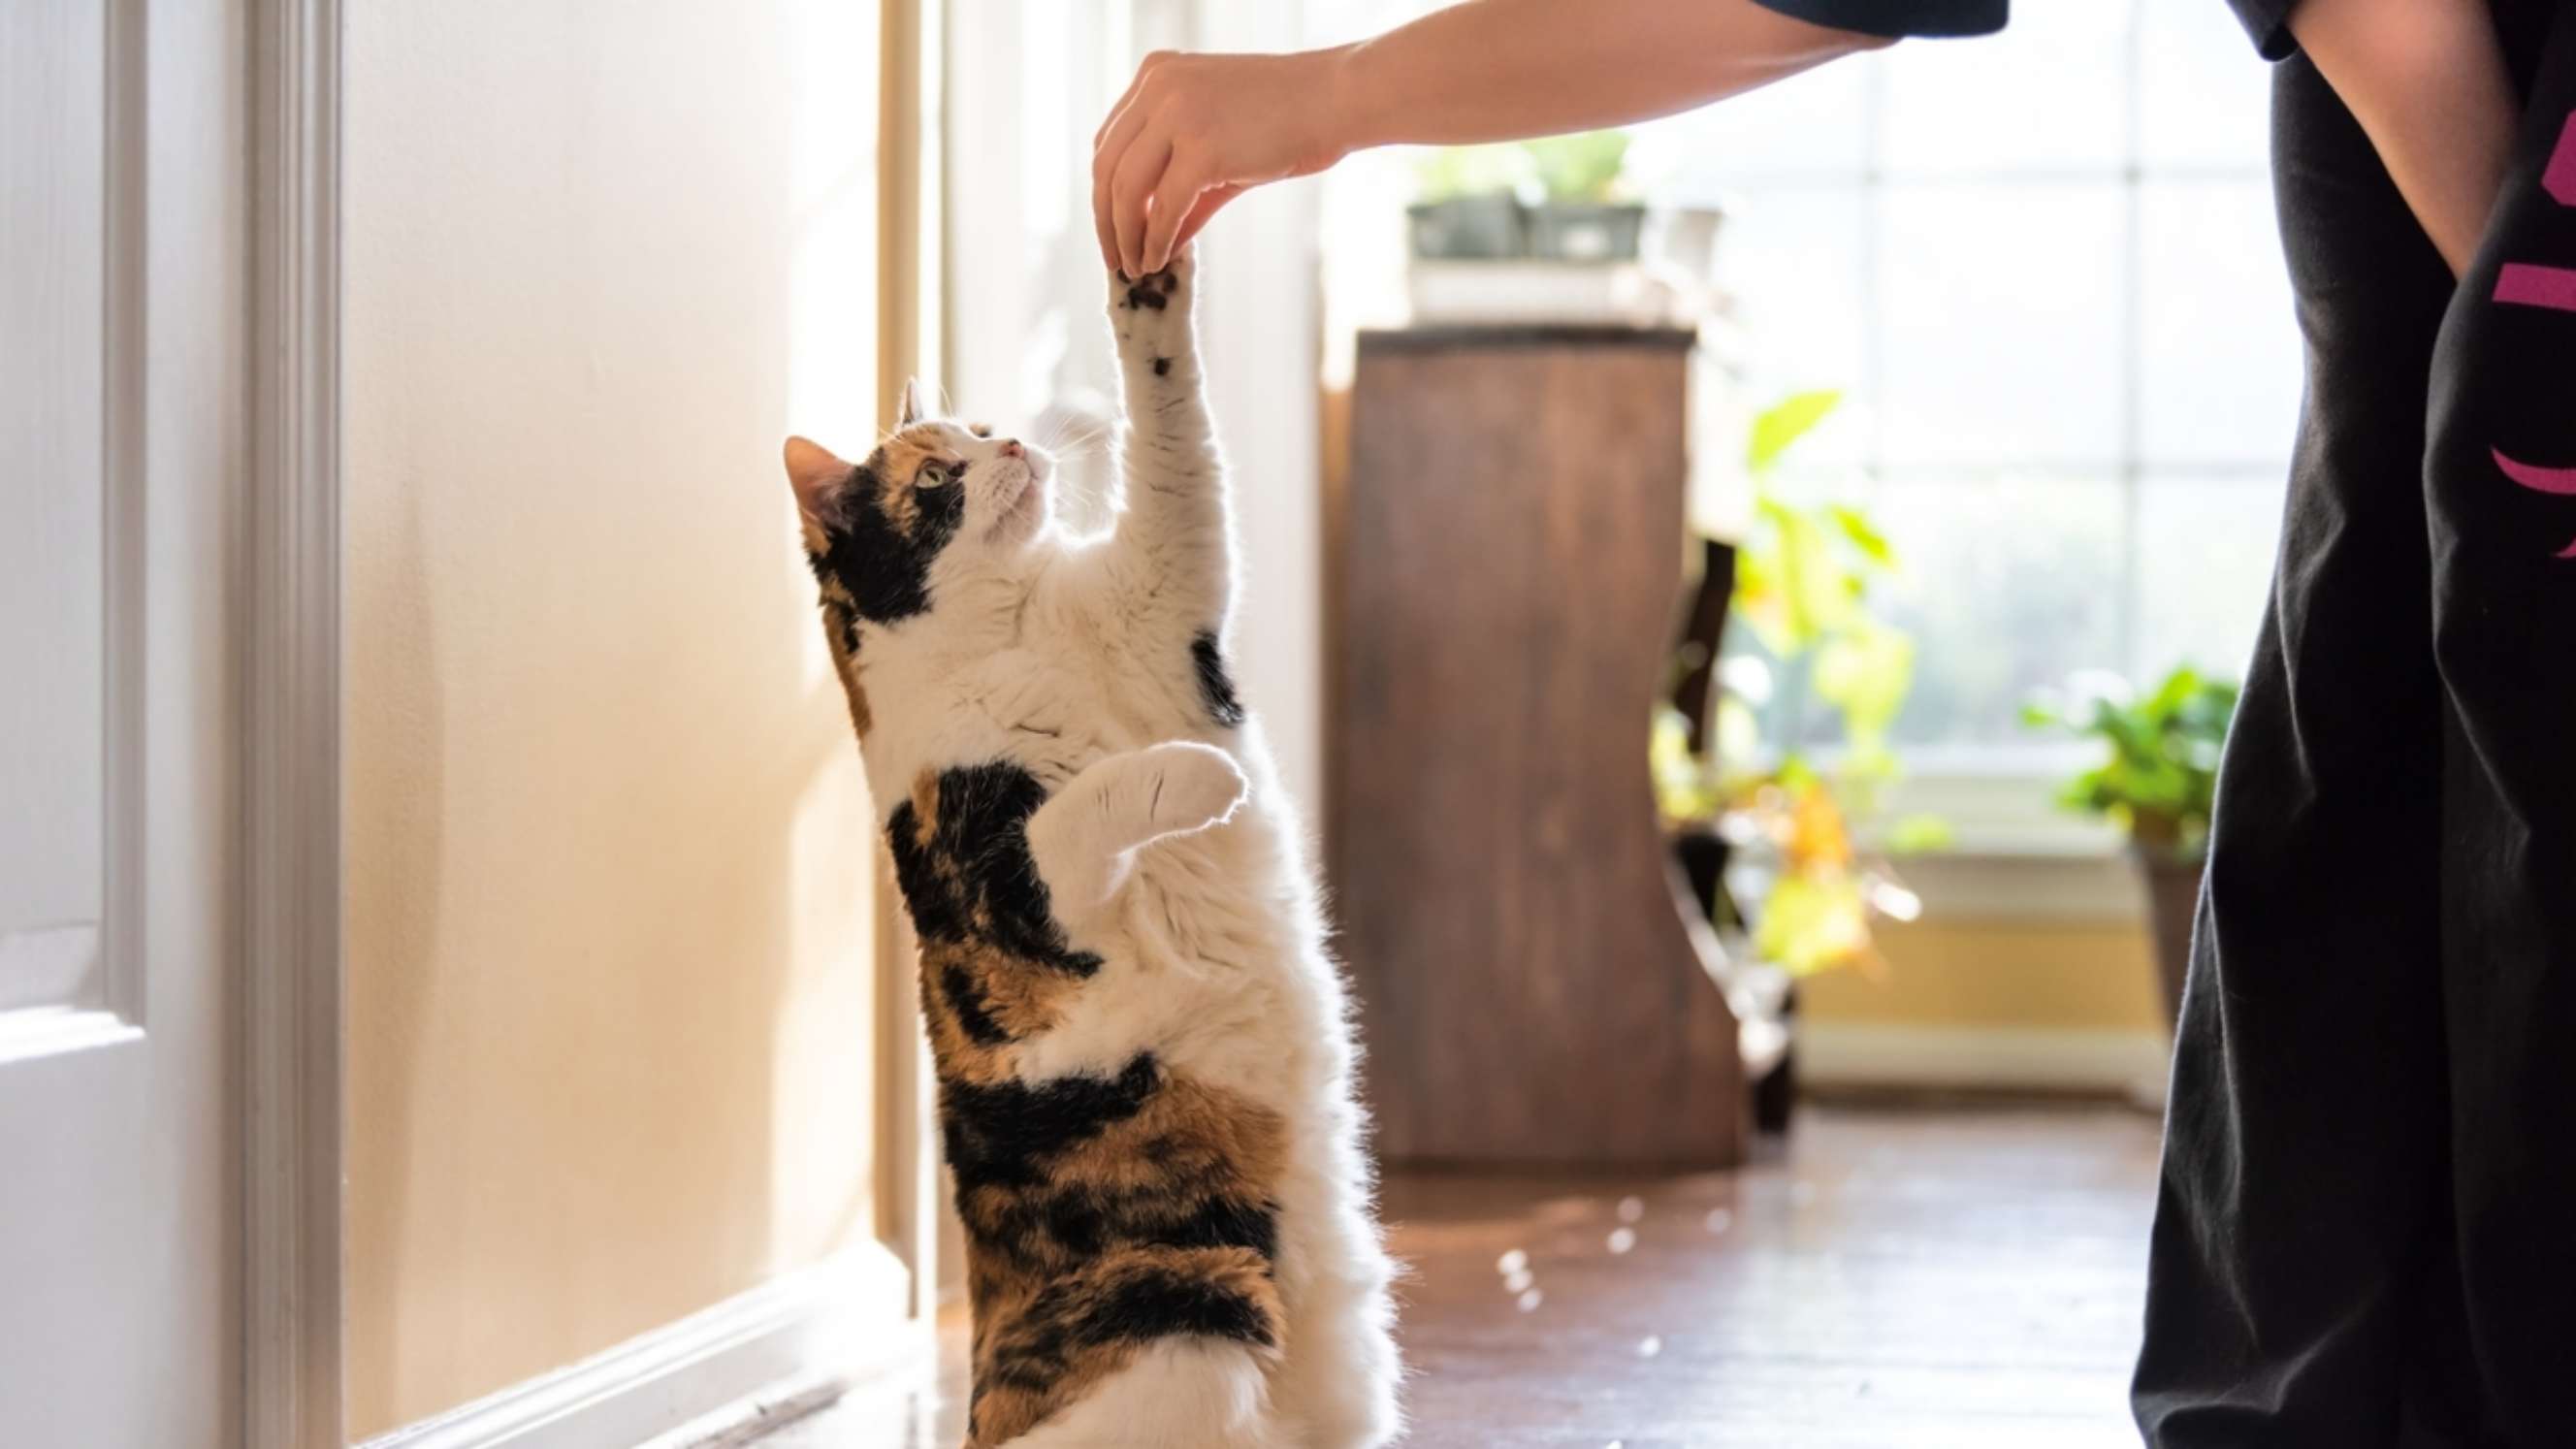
(931, 475)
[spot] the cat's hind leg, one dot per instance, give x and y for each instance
(1175, 1393)
(1084, 839)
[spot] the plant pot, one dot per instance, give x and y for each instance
(1684, 238)
(1564, 231)
(2173, 900)
(1469, 228)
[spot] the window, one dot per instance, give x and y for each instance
(2044, 271)
(1028, 83)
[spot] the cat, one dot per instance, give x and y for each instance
(1144, 1052)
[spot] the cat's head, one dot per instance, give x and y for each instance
(938, 500)
(938, 504)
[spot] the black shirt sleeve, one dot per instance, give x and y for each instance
(2268, 21)
(1906, 17)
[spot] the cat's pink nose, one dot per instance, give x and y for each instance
(1011, 448)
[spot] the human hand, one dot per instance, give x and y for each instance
(1195, 131)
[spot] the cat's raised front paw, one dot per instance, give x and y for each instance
(1151, 314)
(1157, 291)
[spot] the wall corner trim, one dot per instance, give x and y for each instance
(804, 1336)
(290, 946)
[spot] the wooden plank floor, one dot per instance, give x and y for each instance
(1899, 1278)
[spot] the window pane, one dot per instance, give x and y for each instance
(2001, 314)
(2204, 97)
(2206, 545)
(2220, 366)
(1811, 125)
(1794, 261)
(2050, 93)
(2009, 585)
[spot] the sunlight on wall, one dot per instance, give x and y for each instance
(611, 996)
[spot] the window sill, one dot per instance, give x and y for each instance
(2093, 888)
(2015, 856)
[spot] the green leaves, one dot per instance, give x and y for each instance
(1455, 171)
(1813, 922)
(2159, 777)
(1804, 573)
(1584, 167)
(1686, 785)
(1785, 422)
(1866, 668)
(1581, 167)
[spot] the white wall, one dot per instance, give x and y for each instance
(611, 1000)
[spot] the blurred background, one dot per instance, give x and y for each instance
(1748, 605)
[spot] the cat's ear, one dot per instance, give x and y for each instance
(910, 410)
(813, 471)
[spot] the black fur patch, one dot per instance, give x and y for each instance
(1162, 367)
(1038, 1231)
(1137, 1303)
(997, 1134)
(886, 568)
(1223, 1222)
(1143, 295)
(1216, 687)
(1157, 1304)
(967, 1004)
(973, 881)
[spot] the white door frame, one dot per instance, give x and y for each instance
(292, 967)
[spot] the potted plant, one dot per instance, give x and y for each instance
(1468, 208)
(1583, 218)
(1767, 825)
(2156, 781)
(1555, 200)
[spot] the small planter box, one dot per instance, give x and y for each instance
(1570, 232)
(1469, 228)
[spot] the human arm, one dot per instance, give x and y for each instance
(2426, 80)
(1194, 131)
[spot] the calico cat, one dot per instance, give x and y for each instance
(1144, 1053)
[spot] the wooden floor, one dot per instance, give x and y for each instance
(1897, 1278)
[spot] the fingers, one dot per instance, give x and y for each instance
(1140, 170)
(1173, 200)
(1135, 83)
(1118, 134)
(1109, 145)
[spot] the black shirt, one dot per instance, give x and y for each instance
(1903, 17)
(2268, 21)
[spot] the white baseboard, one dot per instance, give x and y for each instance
(808, 1332)
(1860, 1054)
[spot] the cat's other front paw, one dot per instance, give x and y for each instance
(1194, 786)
